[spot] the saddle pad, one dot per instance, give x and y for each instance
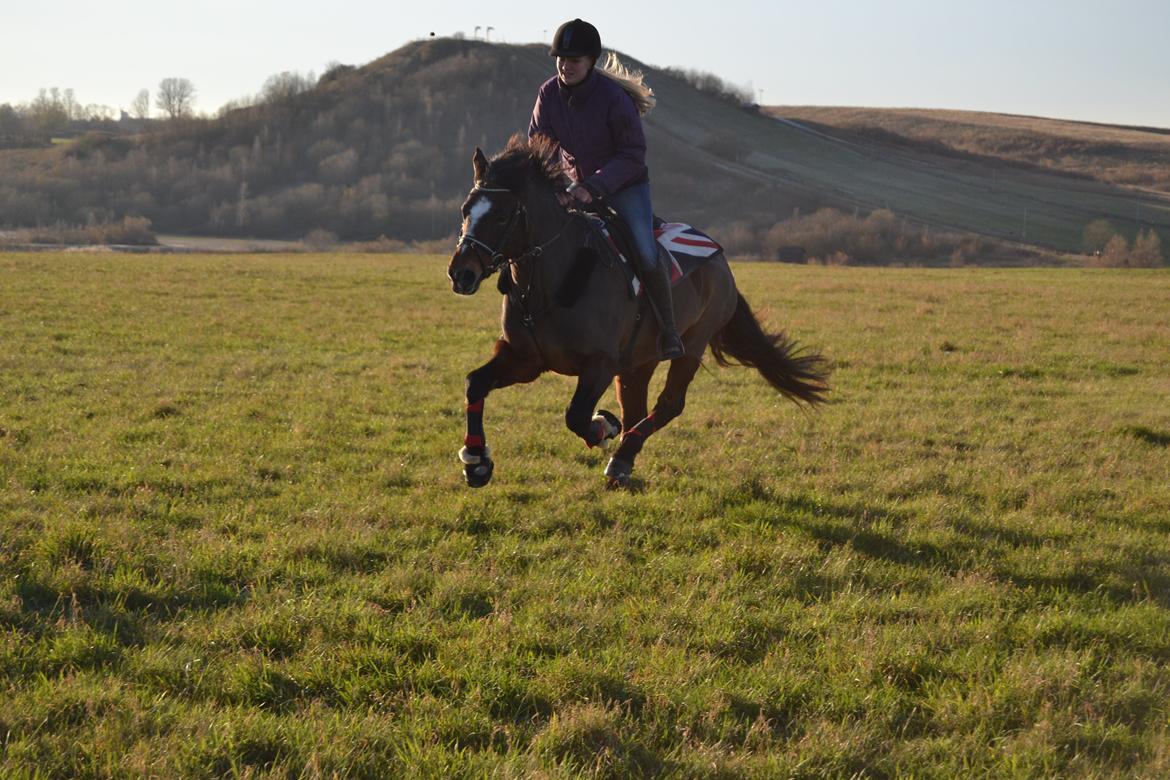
(683, 246)
(681, 238)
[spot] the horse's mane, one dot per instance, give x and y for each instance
(523, 159)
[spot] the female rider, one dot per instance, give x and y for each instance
(593, 115)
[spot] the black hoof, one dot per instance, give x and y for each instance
(479, 474)
(618, 474)
(477, 466)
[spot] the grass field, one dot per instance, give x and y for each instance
(235, 539)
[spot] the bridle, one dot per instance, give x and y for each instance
(497, 259)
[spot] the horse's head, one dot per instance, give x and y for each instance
(493, 231)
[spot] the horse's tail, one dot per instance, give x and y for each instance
(799, 375)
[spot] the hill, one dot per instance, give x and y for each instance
(1134, 156)
(384, 150)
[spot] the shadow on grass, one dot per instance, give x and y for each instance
(842, 525)
(1148, 435)
(835, 525)
(124, 610)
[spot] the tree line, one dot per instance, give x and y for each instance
(58, 113)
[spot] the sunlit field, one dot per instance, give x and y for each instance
(235, 539)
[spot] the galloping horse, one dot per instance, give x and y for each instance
(567, 309)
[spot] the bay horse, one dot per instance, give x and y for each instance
(567, 309)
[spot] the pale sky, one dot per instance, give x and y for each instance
(1078, 59)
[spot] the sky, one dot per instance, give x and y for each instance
(1077, 59)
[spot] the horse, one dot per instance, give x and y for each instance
(567, 309)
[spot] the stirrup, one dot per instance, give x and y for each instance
(670, 346)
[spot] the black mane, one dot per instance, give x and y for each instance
(523, 159)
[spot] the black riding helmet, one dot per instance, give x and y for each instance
(576, 39)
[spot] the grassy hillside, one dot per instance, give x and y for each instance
(1136, 156)
(236, 540)
(384, 149)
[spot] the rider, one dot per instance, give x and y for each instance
(595, 120)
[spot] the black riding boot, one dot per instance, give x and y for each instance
(657, 283)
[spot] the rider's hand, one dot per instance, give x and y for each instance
(579, 193)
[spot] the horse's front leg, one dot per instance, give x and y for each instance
(505, 368)
(592, 382)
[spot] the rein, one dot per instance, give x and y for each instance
(498, 259)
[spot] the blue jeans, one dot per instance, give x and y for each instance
(633, 205)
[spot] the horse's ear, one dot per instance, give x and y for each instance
(479, 164)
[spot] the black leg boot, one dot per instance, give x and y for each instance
(657, 283)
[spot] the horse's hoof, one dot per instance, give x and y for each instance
(477, 469)
(617, 483)
(480, 474)
(618, 474)
(609, 425)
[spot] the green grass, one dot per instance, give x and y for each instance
(235, 539)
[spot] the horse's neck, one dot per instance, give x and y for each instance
(549, 226)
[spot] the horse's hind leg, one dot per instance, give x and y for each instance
(669, 405)
(632, 390)
(505, 368)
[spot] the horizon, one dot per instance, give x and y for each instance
(1073, 61)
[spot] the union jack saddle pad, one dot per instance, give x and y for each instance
(685, 247)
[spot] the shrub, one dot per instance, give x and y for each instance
(1097, 234)
(713, 85)
(128, 230)
(1147, 250)
(319, 240)
(1115, 254)
(832, 236)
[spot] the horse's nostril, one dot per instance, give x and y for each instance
(463, 280)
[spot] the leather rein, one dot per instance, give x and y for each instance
(498, 259)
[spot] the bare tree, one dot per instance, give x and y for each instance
(285, 85)
(72, 108)
(47, 111)
(140, 107)
(175, 97)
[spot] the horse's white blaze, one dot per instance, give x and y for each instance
(476, 213)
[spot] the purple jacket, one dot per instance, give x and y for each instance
(598, 129)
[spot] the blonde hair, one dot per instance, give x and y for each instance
(632, 81)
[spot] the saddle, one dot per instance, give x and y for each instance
(680, 246)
